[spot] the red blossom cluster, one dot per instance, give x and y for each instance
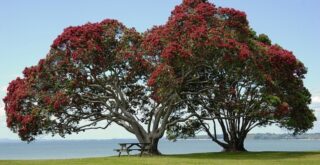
(279, 55)
(174, 49)
(152, 43)
(30, 71)
(282, 110)
(244, 51)
(234, 19)
(78, 41)
(192, 2)
(195, 26)
(155, 74)
(233, 14)
(59, 100)
(19, 100)
(199, 32)
(17, 103)
(47, 100)
(278, 63)
(27, 119)
(205, 9)
(17, 91)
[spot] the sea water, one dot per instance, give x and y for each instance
(63, 149)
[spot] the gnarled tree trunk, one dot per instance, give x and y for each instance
(153, 150)
(235, 146)
(233, 138)
(151, 138)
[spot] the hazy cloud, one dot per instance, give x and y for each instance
(315, 102)
(1, 108)
(3, 89)
(2, 114)
(315, 99)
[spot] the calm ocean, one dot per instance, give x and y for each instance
(99, 148)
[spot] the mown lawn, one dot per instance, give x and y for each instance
(251, 158)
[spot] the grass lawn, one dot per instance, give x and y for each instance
(250, 158)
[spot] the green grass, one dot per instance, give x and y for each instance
(250, 158)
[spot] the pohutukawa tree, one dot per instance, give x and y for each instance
(92, 77)
(205, 69)
(229, 78)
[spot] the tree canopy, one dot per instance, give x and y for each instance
(204, 70)
(227, 76)
(92, 77)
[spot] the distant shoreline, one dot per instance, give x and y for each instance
(272, 136)
(256, 136)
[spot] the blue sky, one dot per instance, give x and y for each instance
(27, 29)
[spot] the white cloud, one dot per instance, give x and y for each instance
(1, 108)
(2, 115)
(3, 89)
(315, 99)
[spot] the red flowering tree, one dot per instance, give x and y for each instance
(229, 78)
(205, 69)
(92, 77)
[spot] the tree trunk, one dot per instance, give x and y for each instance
(153, 150)
(153, 147)
(236, 146)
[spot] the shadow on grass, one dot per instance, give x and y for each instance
(247, 155)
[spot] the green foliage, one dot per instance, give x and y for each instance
(264, 39)
(183, 130)
(273, 100)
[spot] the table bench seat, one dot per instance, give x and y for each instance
(128, 149)
(125, 150)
